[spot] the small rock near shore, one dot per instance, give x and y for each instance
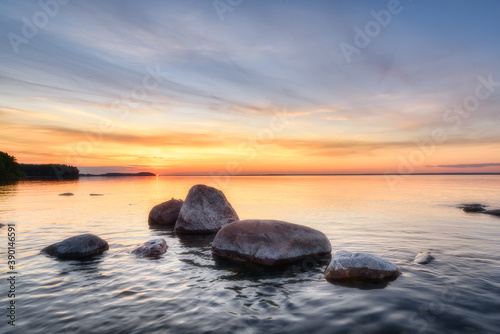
(269, 242)
(423, 258)
(151, 248)
(205, 210)
(78, 247)
(347, 265)
(165, 213)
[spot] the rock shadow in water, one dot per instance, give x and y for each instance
(253, 271)
(362, 284)
(196, 240)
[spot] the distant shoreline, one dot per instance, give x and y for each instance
(332, 174)
(119, 174)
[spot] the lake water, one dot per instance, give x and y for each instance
(186, 291)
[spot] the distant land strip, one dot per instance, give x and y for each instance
(330, 174)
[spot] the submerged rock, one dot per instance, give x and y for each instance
(493, 212)
(347, 265)
(165, 213)
(480, 208)
(1, 225)
(205, 210)
(151, 248)
(96, 194)
(269, 242)
(423, 258)
(473, 207)
(66, 194)
(78, 247)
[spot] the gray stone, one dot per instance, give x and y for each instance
(269, 242)
(66, 194)
(473, 207)
(151, 248)
(423, 258)
(493, 212)
(347, 265)
(165, 213)
(78, 247)
(205, 210)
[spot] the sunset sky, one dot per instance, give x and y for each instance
(201, 87)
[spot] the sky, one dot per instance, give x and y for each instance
(231, 87)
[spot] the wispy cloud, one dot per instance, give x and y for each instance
(468, 165)
(226, 79)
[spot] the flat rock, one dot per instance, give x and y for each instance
(475, 207)
(423, 258)
(2, 225)
(493, 212)
(347, 265)
(165, 213)
(151, 248)
(269, 242)
(205, 210)
(66, 194)
(78, 247)
(96, 194)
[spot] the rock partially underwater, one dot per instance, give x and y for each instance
(347, 265)
(165, 213)
(151, 248)
(205, 210)
(269, 242)
(79, 247)
(423, 258)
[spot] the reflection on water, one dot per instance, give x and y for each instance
(188, 291)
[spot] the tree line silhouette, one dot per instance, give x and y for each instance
(10, 168)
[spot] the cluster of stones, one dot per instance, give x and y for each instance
(479, 208)
(262, 241)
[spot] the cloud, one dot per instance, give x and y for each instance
(468, 165)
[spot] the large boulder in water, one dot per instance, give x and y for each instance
(269, 242)
(78, 247)
(205, 210)
(165, 213)
(347, 265)
(151, 248)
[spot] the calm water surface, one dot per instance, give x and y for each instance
(186, 291)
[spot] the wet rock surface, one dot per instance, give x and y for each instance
(78, 247)
(151, 248)
(347, 265)
(269, 242)
(165, 213)
(423, 258)
(205, 210)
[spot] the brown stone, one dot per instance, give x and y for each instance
(165, 213)
(269, 242)
(346, 265)
(205, 210)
